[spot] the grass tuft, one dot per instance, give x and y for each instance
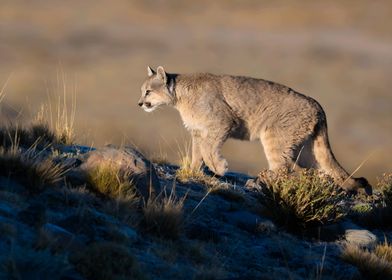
(372, 265)
(31, 171)
(384, 251)
(163, 216)
(302, 199)
(109, 180)
(385, 185)
(31, 136)
(186, 174)
(106, 260)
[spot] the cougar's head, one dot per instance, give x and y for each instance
(155, 90)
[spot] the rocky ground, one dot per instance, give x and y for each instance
(68, 231)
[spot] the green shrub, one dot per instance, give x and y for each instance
(302, 199)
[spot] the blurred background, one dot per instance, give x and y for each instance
(339, 52)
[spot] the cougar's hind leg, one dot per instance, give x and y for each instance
(280, 152)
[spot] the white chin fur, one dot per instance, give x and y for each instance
(148, 110)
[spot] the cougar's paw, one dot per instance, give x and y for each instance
(220, 167)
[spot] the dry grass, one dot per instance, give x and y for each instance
(163, 216)
(372, 265)
(384, 251)
(302, 200)
(109, 180)
(60, 118)
(33, 172)
(385, 185)
(106, 260)
(37, 135)
(185, 174)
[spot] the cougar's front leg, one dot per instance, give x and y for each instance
(197, 159)
(211, 152)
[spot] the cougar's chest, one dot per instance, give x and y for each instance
(191, 119)
(192, 122)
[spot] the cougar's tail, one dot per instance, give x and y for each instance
(328, 163)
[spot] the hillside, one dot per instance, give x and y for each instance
(75, 212)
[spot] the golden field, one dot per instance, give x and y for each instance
(339, 52)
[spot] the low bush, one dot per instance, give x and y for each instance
(302, 199)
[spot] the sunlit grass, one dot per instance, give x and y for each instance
(60, 118)
(372, 264)
(109, 180)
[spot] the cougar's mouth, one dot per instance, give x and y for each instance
(147, 106)
(149, 109)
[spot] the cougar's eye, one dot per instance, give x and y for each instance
(148, 92)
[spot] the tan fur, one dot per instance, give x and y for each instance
(292, 127)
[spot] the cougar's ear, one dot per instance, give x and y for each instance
(150, 72)
(161, 74)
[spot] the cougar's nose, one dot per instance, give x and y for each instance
(140, 104)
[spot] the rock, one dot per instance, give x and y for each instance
(130, 161)
(34, 215)
(74, 149)
(59, 238)
(247, 221)
(361, 237)
(6, 210)
(120, 234)
(203, 233)
(266, 226)
(235, 178)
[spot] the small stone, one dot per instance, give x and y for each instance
(266, 226)
(361, 237)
